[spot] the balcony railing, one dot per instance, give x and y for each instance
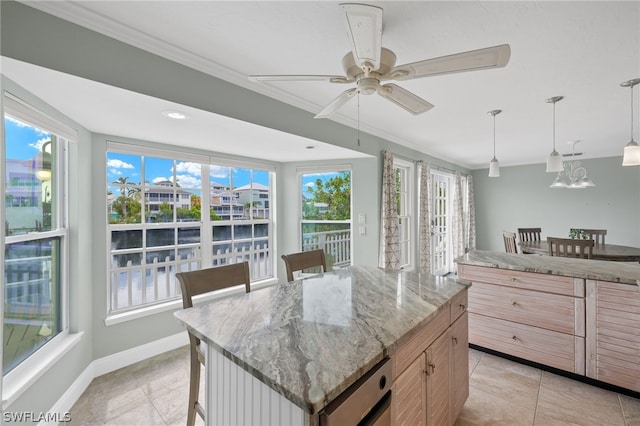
(336, 245)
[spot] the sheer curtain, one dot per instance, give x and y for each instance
(424, 218)
(389, 253)
(458, 219)
(471, 216)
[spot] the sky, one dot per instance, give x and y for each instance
(23, 141)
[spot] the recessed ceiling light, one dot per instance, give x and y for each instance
(176, 115)
(310, 147)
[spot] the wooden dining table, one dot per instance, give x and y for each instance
(611, 252)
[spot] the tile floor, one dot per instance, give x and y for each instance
(502, 392)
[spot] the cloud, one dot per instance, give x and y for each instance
(219, 171)
(160, 179)
(116, 172)
(38, 145)
(187, 181)
(188, 167)
(310, 184)
(119, 164)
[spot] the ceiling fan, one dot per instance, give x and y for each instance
(369, 63)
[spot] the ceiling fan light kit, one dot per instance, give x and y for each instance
(494, 166)
(368, 64)
(631, 155)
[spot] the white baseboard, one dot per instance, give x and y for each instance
(111, 363)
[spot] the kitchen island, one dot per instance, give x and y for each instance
(577, 315)
(281, 354)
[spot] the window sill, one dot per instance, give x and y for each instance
(174, 305)
(30, 370)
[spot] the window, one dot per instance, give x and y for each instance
(326, 213)
(35, 305)
(404, 173)
(160, 223)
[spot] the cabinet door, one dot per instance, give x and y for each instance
(459, 365)
(407, 401)
(437, 370)
(613, 344)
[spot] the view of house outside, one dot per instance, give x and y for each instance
(157, 223)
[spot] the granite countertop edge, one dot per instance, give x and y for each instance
(599, 270)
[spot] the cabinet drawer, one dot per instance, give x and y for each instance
(564, 314)
(547, 347)
(459, 305)
(410, 350)
(528, 280)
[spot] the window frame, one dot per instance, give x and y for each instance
(27, 371)
(204, 223)
(407, 205)
(336, 168)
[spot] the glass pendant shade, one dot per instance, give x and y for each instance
(494, 168)
(631, 154)
(559, 182)
(554, 162)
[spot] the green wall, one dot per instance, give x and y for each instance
(521, 198)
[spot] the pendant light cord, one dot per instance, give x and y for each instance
(632, 112)
(494, 135)
(554, 126)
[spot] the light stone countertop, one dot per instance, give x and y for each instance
(618, 272)
(311, 339)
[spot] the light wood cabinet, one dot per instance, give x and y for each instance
(613, 348)
(432, 370)
(537, 317)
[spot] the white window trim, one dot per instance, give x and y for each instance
(412, 204)
(27, 372)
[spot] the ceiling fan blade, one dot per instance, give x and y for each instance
(364, 28)
(328, 78)
(404, 99)
(489, 57)
(335, 104)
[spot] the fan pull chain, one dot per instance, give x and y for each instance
(358, 118)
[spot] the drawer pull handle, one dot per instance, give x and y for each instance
(515, 338)
(455, 340)
(462, 307)
(514, 303)
(514, 279)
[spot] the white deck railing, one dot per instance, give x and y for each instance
(336, 244)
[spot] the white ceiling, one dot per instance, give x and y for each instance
(580, 50)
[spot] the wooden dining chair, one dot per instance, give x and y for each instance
(194, 283)
(304, 260)
(570, 247)
(597, 235)
(529, 234)
(510, 242)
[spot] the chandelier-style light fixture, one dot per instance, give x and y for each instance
(554, 161)
(632, 149)
(573, 175)
(494, 166)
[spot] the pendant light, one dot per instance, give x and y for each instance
(632, 149)
(494, 166)
(554, 162)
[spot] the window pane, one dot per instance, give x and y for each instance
(222, 233)
(161, 237)
(30, 174)
(32, 298)
(223, 200)
(261, 230)
(126, 239)
(241, 232)
(124, 176)
(326, 198)
(188, 235)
